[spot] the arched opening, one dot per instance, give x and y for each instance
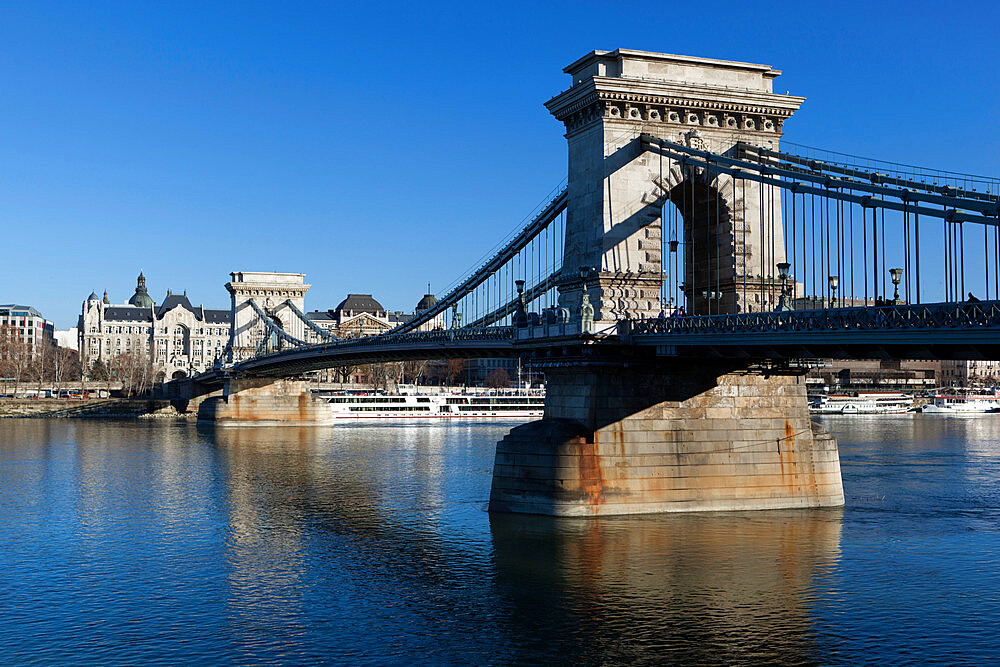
(178, 375)
(160, 377)
(182, 340)
(703, 227)
(722, 241)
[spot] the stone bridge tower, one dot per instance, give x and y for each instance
(625, 432)
(270, 291)
(617, 191)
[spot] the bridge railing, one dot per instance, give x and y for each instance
(979, 315)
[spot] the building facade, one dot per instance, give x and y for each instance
(361, 315)
(178, 338)
(24, 324)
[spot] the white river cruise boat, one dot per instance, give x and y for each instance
(482, 405)
(861, 404)
(963, 403)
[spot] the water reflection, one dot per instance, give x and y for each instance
(706, 588)
(137, 542)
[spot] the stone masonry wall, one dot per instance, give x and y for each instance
(265, 402)
(629, 441)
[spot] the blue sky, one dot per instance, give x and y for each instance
(377, 147)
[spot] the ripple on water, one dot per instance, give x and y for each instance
(129, 542)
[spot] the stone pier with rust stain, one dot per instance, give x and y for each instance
(264, 401)
(619, 440)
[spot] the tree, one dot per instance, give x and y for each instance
(413, 370)
(41, 364)
(345, 372)
(66, 365)
(134, 369)
(99, 372)
(497, 379)
(454, 370)
(15, 356)
(381, 375)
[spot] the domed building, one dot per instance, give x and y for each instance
(178, 338)
(426, 303)
(141, 297)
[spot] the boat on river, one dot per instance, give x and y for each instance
(861, 404)
(471, 404)
(961, 402)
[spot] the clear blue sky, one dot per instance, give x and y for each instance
(377, 146)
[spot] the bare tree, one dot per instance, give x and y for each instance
(498, 378)
(454, 370)
(344, 373)
(133, 368)
(66, 365)
(381, 375)
(40, 366)
(99, 372)
(414, 370)
(15, 356)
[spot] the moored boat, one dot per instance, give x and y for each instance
(963, 402)
(861, 403)
(471, 404)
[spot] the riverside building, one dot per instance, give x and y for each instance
(178, 338)
(26, 325)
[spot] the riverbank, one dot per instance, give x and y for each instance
(100, 408)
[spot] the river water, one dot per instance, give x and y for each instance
(135, 542)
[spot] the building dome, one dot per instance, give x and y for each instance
(360, 303)
(93, 297)
(426, 303)
(141, 297)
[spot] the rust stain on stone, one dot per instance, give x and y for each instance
(591, 474)
(785, 448)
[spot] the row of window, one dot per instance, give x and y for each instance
(211, 331)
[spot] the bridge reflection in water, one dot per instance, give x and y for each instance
(720, 588)
(405, 503)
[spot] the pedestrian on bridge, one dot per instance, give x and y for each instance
(972, 298)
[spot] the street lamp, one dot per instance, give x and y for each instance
(897, 275)
(834, 282)
(586, 309)
(709, 296)
(784, 300)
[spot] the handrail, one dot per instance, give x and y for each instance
(980, 315)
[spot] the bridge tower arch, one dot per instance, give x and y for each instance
(616, 189)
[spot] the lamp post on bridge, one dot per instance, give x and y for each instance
(709, 296)
(897, 275)
(784, 300)
(456, 317)
(586, 309)
(834, 282)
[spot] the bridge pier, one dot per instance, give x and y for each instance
(265, 401)
(632, 440)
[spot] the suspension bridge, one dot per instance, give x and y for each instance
(673, 289)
